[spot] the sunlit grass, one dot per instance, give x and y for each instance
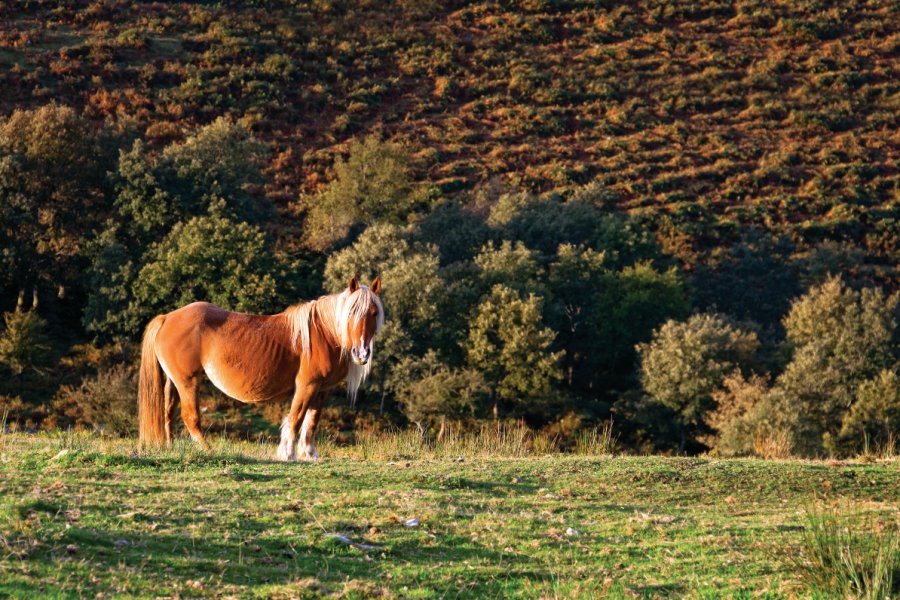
(846, 555)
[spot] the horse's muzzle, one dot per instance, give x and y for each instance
(361, 357)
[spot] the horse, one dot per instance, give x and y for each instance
(301, 353)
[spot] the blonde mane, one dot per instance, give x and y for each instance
(335, 314)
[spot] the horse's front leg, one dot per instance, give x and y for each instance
(308, 430)
(303, 395)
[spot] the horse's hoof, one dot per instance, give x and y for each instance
(285, 454)
(310, 456)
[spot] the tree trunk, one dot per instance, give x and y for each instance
(383, 393)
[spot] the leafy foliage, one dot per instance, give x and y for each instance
(24, 343)
(839, 338)
(685, 362)
(509, 344)
(372, 185)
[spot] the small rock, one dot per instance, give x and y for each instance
(60, 454)
(460, 459)
(71, 548)
(572, 532)
(121, 543)
(411, 523)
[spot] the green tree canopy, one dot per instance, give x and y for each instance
(510, 345)
(218, 165)
(213, 259)
(372, 185)
(839, 338)
(687, 361)
(51, 187)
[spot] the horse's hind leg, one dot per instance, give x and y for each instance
(171, 396)
(190, 411)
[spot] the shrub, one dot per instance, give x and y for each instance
(105, 403)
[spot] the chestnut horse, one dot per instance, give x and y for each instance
(301, 353)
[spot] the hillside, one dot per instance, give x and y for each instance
(704, 117)
(82, 517)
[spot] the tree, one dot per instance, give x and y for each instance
(218, 165)
(510, 346)
(875, 416)
(209, 258)
(758, 263)
(511, 264)
(838, 338)
(24, 343)
(542, 224)
(600, 313)
(456, 230)
(750, 418)
(686, 361)
(190, 194)
(372, 185)
(428, 390)
(51, 187)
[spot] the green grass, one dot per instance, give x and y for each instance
(85, 517)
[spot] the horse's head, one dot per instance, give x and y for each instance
(361, 317)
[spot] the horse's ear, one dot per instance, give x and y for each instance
(376, 285)
(353, 285)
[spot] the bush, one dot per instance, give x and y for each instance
(105, 403)
(749, 419)
(24, 343)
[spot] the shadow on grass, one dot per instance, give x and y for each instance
(167, 561)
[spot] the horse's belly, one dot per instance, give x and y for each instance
(258, 386)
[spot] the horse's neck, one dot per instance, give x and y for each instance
(323, 323)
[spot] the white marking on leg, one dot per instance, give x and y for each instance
(286, 449)
(307, 440)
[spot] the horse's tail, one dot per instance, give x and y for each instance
(151, 399)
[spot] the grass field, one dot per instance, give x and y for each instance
(87, 518)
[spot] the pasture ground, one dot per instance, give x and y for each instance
(81, 517)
